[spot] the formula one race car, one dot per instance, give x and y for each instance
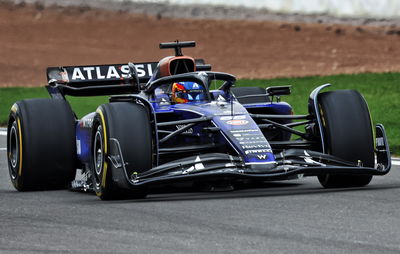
(165, 124)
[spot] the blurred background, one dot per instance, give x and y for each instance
(264, 40)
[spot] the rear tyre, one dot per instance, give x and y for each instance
(348, 133)
(128, 123)
(41, 144)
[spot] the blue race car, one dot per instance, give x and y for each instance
(177, 121)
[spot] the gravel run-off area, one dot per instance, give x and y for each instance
(247, 43)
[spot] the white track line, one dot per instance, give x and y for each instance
(3, 133)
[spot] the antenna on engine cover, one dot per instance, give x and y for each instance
(178, 45)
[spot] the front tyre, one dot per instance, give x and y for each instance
(348, 135)
(129, 124)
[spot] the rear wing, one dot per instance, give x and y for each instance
(99, 79)
(96, 80)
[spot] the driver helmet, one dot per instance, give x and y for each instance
(184, 92)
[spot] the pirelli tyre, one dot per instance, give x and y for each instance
(348, 133)
(120, 127)
(41, 144)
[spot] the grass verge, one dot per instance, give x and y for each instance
(382, 92)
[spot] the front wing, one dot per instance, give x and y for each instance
(292, 163)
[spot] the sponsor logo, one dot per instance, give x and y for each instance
(252, 134)
(180, 126)
(255, 146)
(258, 151)
(64, 76)
(262, 156)
(244, 130)
(253, 142)
(107, 72)
(251, 138)
(87, 123)
(225, 118)
(78, 147)
(237, 122)
(227, 112)
(143, 70)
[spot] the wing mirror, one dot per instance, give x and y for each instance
(278, 90)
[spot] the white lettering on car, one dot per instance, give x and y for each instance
(98, 73)
(149, 70)
(244, 130)
(88, 72)
(255, 146)
(180, 126)
(125, 71)
(258, 151)
(140, 70)
(77, 74)
(262, 156)
(109, 72)
(237, 122)
(112, 72)
(252, 142)
(225, 118)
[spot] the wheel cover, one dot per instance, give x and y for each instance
(13, 144)
(98, 154)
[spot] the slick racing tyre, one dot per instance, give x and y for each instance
(41, 144)
(348, 134)
(120, 127)
(250, 90)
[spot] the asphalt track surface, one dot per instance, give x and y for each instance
(285, 217)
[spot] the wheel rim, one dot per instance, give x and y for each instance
(13, 144)
(98, 154)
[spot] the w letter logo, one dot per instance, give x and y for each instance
(262, 156)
